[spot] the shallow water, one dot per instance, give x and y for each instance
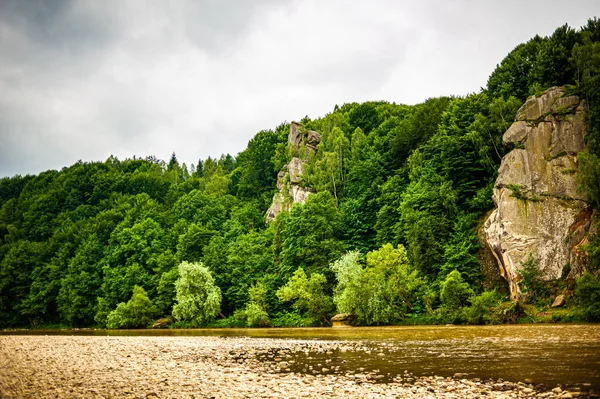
(551, 355)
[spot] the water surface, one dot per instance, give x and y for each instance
(551, 355)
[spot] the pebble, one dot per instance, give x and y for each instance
(212, 367)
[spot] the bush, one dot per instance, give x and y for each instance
(588, 296)
(292, 319)
(511, 312)
(137, 312)
(308, 295)
(482, 307)
(385, 290)
(256, 316)
(446, 315)
(535, 290)
(255, 313)
(454, 291)
(118, 317)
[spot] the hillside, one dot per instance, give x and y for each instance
(393, 199)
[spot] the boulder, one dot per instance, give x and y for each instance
(162, 323)
(558, 301)
(312, 140)
(342, 320)
(299, 136)
(536, 196)
(295, 169)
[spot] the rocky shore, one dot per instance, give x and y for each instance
(215, 367)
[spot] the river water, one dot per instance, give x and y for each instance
(550, 355)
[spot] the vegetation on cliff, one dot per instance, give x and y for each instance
(390, 235)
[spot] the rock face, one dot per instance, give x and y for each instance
(289, 179)
(538, 208)
(298, 136)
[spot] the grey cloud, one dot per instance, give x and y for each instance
(85, 79)
(57, 23)
(214, 25)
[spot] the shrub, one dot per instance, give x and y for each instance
(291, 319)
(256, 316)
(255, 313)
(308, 295)
(137, 312)
(511, 312)
(536, 291)
(383, 291)
(482, 307)
(588, 296)
(446, 315)
(454, 291)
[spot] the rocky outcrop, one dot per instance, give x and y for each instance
(299, 136)
(290, 186)
(538, 208)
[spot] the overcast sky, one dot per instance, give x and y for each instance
(87, 79)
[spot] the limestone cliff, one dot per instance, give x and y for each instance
(538, 208)
(289, 179)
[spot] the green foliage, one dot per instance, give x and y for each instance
(461, 250)
(587, 293)
(291, 319)
(80, 286)
(454, 291)
(249, 259)
(427, 208)
(190, 246)
(348, 272)
(365, 117)
(589, 176)
(311, 236)
(534, 289)
(74, 243)
(255, 313)
(308, 295)
(137, 312)
(384, 291)
(256, 316)
(482, 308)
(198, 298)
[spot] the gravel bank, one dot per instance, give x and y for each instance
(208, 367)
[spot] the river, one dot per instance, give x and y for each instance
(546, 355)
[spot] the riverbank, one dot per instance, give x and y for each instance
(218, 367)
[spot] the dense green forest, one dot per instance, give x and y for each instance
(390, 234)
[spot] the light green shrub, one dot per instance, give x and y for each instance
(137, 312)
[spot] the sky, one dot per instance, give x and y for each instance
(86, 79)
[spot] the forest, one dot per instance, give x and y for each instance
(389, 235)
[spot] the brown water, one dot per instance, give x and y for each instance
(550, 355)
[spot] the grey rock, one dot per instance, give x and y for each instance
(536, 196)
(558, 301)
